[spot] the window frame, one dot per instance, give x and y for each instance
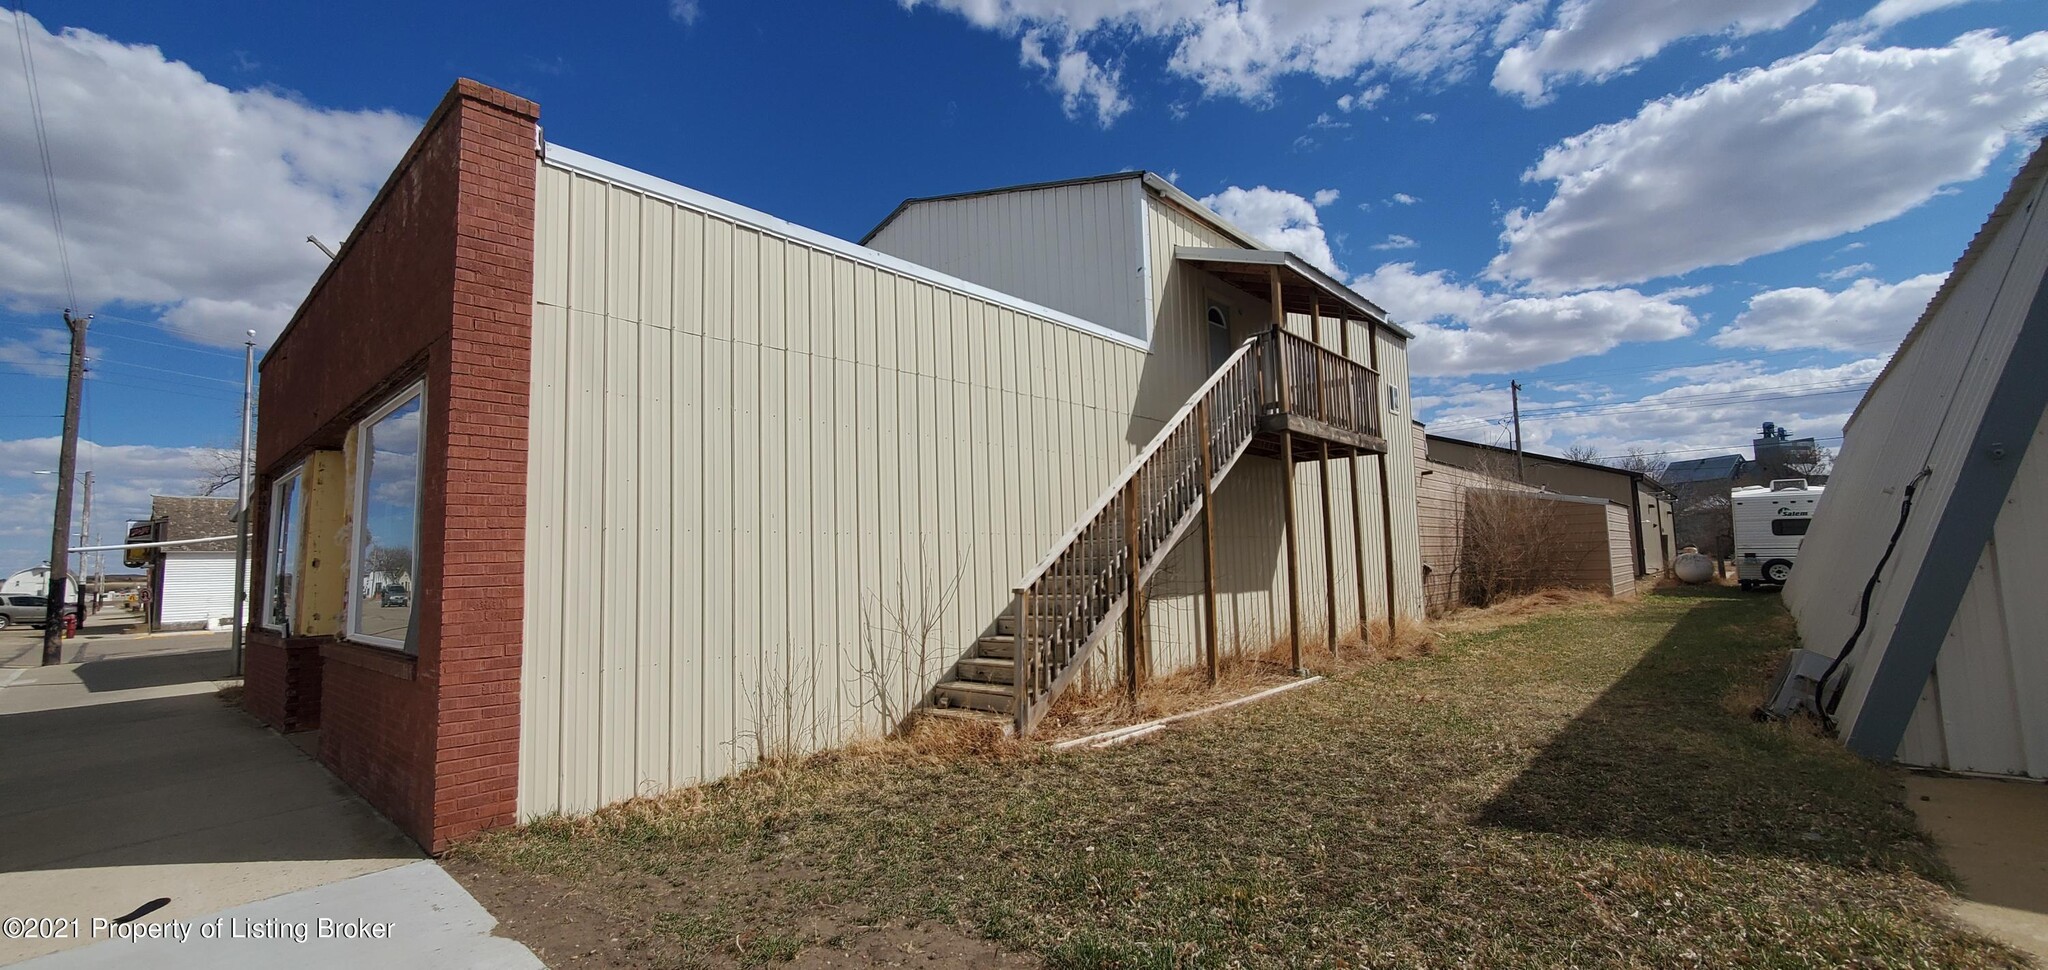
(271, 546)
(1804, 525)
(358, 517)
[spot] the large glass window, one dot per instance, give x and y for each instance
(1790, 527)
(287, 528)
(382, 561)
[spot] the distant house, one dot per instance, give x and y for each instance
(191, 583)
(1649, 503)
(1947, 664)
(676, 479)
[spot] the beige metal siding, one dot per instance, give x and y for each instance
(752, 446)
(1924, 413)
(1073, 247)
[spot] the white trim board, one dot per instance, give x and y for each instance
(598, 168)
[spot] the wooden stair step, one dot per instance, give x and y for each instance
(988, 670)
(1002, 645)
(995, 698)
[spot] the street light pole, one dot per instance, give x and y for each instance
(242, 506)
(67, 466)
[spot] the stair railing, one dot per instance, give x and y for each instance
(1329, 387)
(1069, 599)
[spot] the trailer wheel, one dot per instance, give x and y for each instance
(1777, 571)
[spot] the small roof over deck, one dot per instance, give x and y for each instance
(1302, 286)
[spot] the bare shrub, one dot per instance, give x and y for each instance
(1512, 546)
(903, 647)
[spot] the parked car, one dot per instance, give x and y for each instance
(32, 610)
(394, 595)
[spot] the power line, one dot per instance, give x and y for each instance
(35, 102)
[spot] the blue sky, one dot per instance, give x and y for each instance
(1670, 221)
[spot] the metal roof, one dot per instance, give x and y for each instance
(1552, 459)
(1716, 468)
(1152, 181)
(1211, 258)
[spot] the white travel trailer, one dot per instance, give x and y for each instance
(1769, 524)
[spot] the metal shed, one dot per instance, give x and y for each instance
(1942, 623)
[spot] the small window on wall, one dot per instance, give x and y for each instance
(1219, 337)
(287, 527)
(1790, 527)
(382, 559)
(1394, 398)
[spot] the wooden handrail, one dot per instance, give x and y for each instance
(1096, 570)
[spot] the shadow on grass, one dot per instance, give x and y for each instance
(1668, 757)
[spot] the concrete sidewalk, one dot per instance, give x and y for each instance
(128, 780)
(1994, 833)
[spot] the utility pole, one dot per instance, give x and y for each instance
(1515, 396)
(67, 466)
(242, 505)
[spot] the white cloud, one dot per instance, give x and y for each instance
(1597, 39)
(178, 192)
(1083, 84)
(1426, 117)
(1364, 100)
(1396, 241)
(1277, 218)
(1325, 197)
(1405, 199)
(684, 11)
(1711, 412)
(1869, 315)
(1848, 272)
(1463, 329)
(124, 477)
(44, 353)
(1878, 19)
(1762, 160)
(1236, 49)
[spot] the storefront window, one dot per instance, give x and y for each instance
(383, 559)
(287, 525)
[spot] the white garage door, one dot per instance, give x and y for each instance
(198, 586)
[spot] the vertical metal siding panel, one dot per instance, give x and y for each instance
(588, 245)
(747, 485)
(1922, 744)
(720, 560)
(618, 618)
(690, 257)
(771, 487)
(652, 563)
(687, 467)
(551, 235)
(769, 296)
(2021, 541)
(540, 681)
(657, 263)
(622, 255)
(583, 500)
(719, 243)
(1973, 676)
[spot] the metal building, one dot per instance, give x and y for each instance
(1947, 667)
(671, 483)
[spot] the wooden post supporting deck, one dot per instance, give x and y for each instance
(1022, 664)
(1134, 605)
(1315, 316)
(1372, 332)
(1209, 625)
(1287, 474)
(1357, 508)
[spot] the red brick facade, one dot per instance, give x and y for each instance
(434, 284)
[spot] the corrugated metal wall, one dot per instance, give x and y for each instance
(752, 449)
(199, 587)
(1981, 710)
(990, 239)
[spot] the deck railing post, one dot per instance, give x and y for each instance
(1024, 669)
(1209, 625)
(1134, 623)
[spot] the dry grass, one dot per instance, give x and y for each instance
(1580, 788)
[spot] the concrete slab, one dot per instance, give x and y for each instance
(410, 916)
(1994, 833)
(128, 780)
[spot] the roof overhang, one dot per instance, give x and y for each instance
(1302, 286)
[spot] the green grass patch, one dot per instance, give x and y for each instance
(1583, 788)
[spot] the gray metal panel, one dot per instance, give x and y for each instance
(1072, 246)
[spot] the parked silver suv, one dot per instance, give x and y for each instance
(32, 610)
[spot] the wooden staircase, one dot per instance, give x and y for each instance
(1275, 388)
